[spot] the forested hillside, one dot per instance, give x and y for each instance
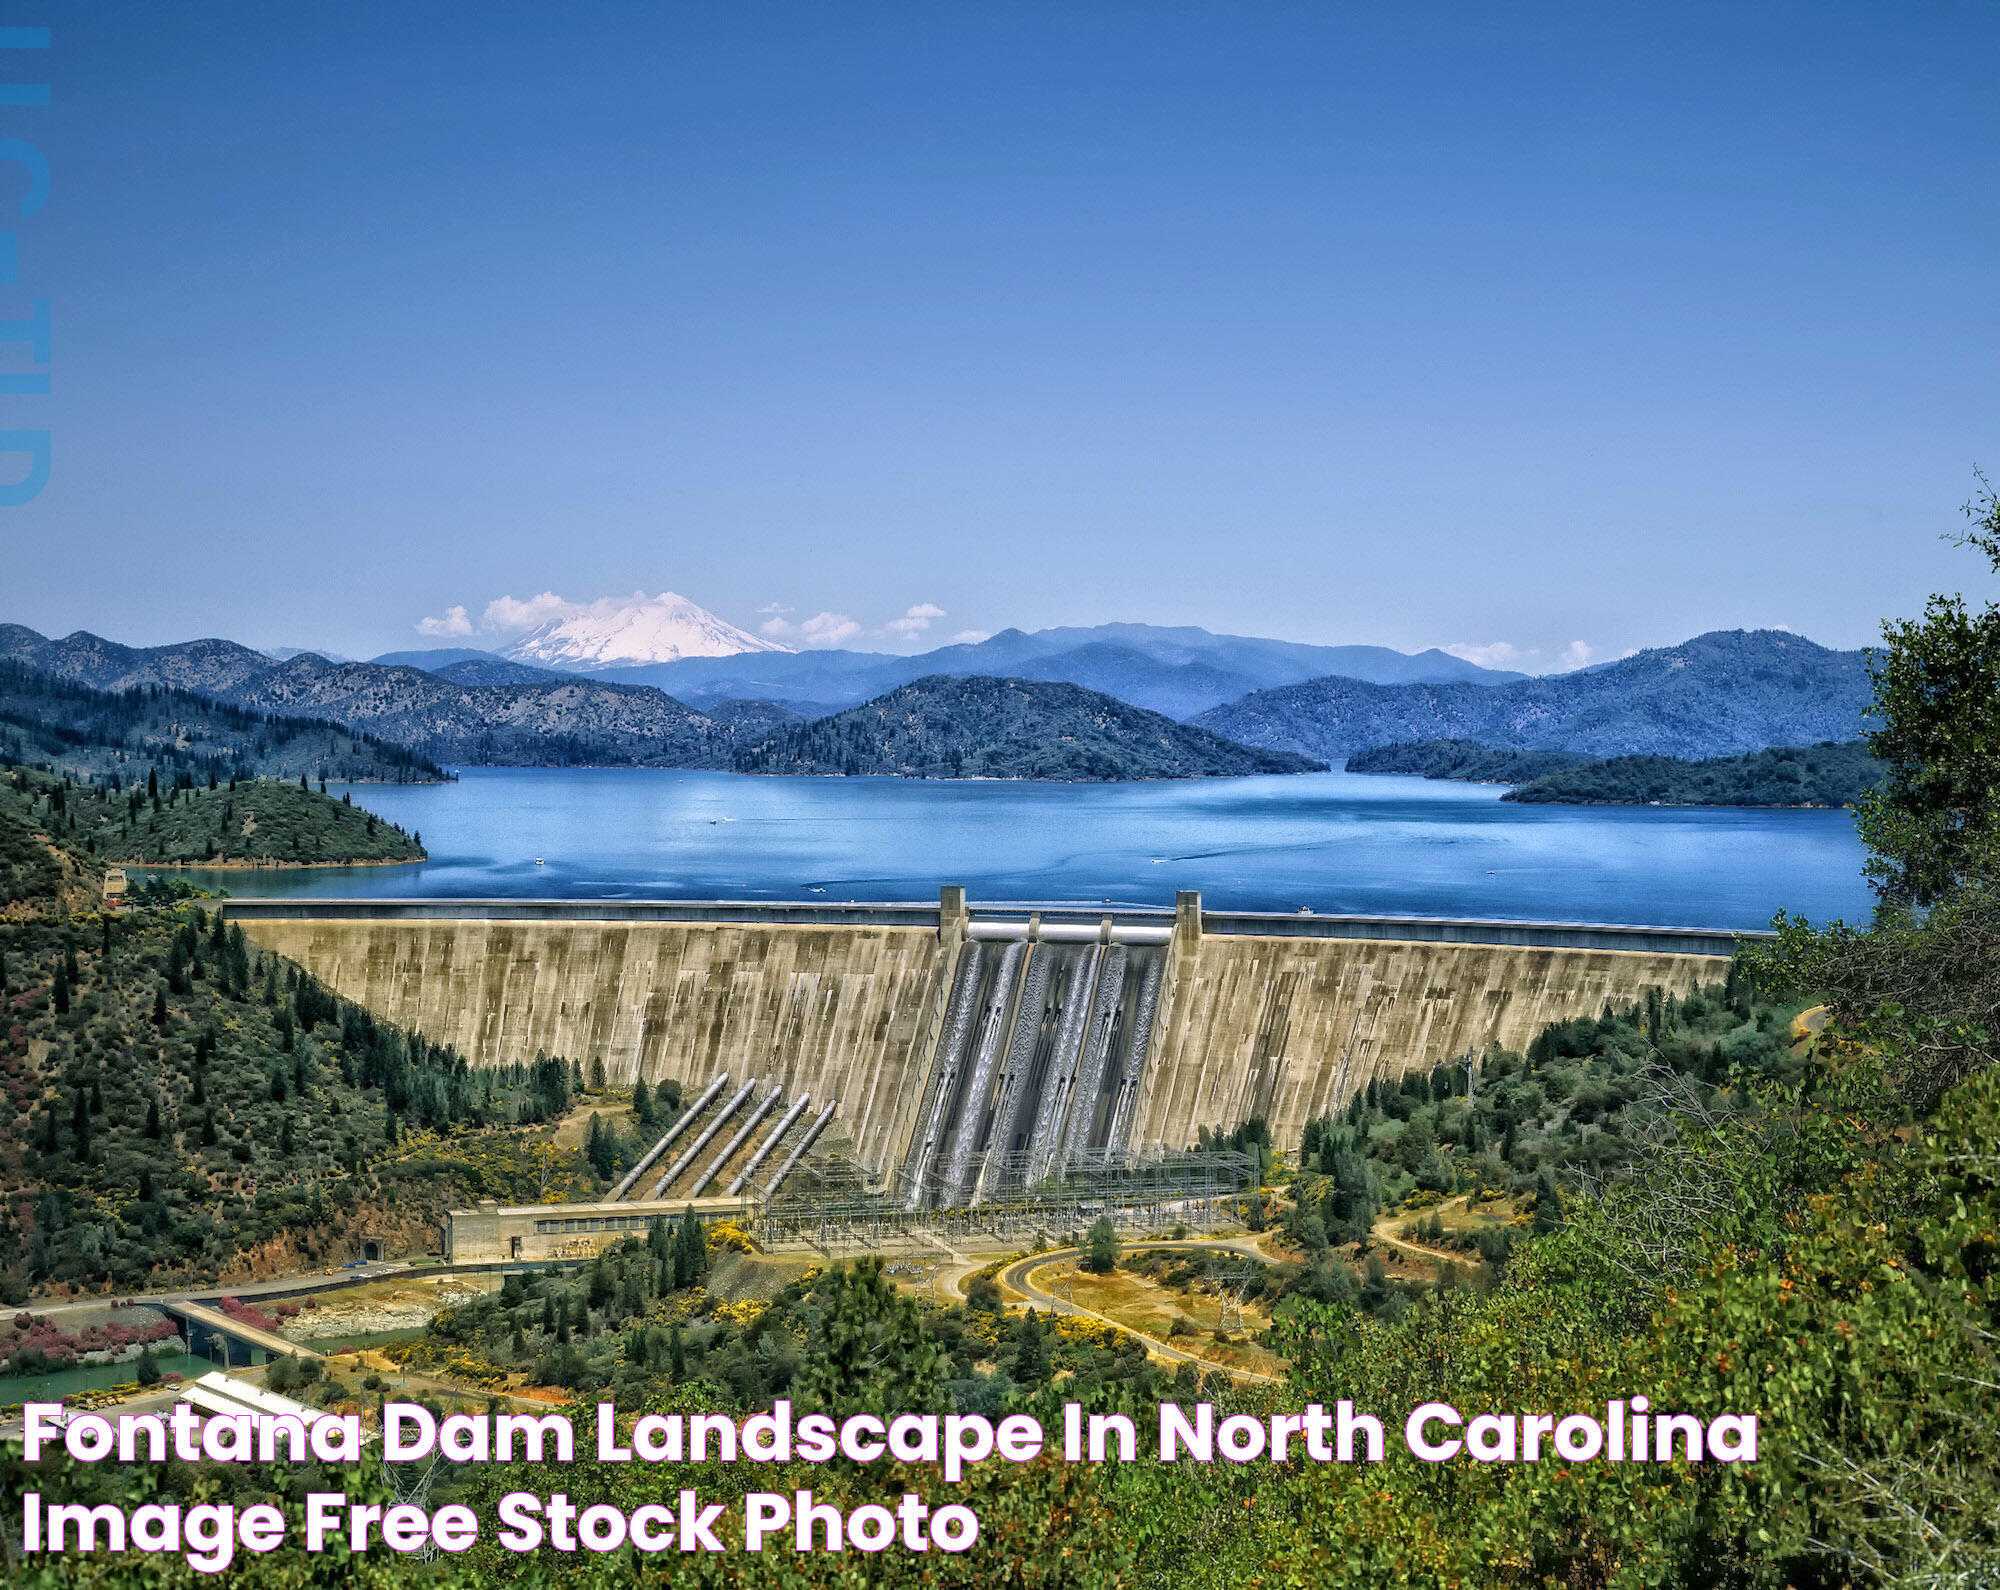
(177, 1105)
(1716, 695)
(252, 822)
(1575, 1107)
(947, 727)
(1833, 774)
(1466, 761)
(1815, 775)
(173, 732)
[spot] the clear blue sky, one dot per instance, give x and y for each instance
(1416, 324)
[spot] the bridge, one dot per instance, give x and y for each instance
(200, 1318)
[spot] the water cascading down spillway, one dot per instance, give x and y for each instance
(943, 1090)
(1152, 973)
(1059, 1081)
(985, 1141)
(1038, 1063)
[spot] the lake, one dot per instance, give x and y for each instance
(1334, 842)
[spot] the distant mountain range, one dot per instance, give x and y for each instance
(946, 727)
(1719, 694)
(1178, 671)
(1716, 695)
(550, 720)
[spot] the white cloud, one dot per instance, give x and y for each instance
(1531, 659)
(777, 609)
(1495, 654)
(916, 620)
(822, 629)
(971, 637)
(507, 614)
(454, 622)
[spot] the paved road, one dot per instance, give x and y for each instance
(278, 1286)
(1016, 1275)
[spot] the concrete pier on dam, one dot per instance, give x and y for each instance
(961, 1054)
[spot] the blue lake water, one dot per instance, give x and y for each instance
(1334, 842)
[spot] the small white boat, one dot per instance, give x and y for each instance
(538, 861)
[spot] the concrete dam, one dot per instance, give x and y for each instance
(960, 1054)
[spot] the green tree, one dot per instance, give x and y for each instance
(871, 1353)
(1921, 985)
(1934, 823)
(690, 1251)
(1100, 1246)
(600, 1147)
(1548, 1202)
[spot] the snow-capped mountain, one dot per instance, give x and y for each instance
(622, 633)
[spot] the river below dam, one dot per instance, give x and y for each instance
(1328, 842)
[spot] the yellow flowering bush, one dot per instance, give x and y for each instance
(726, 1236)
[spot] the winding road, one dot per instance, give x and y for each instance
(1016, 1276)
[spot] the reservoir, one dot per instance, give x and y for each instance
(1329, 842)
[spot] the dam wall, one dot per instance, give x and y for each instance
(966, 1050)
(842, 1012)
(1289, 1027)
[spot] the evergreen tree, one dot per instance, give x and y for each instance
(1548, 1202)
(1101, 1246)
(690, 1252)
(597, 1148)
(872, 1354)
(1031, 1359)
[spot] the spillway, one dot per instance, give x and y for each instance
(1047, 1069)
